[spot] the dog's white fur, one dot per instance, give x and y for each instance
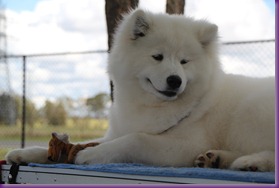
(210, 116)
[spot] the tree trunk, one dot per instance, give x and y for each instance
(175, 6)
(114, 10)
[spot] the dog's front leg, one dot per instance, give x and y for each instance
(139, 148)
(33, 154)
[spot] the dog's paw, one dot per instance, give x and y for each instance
(93, 155)
(210, 159)
(27, 155)
(102, 154)
(246, 163)
(216, 159)
(254, 163)
(14, 156)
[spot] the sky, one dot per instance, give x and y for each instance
(20, 5)
(51, 26)
(34, 25)
(29, 5)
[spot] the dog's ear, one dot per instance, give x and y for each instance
(207, 32)
(141, 24)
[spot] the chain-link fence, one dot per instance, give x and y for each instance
(68, 92)
(250, 58)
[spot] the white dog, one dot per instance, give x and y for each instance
(174, 106)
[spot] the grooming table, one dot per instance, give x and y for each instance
(123, 173)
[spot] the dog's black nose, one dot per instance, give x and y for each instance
(174, 82)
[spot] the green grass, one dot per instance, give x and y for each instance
(3, 152)
(77, 129)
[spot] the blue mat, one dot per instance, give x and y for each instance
(139, 169)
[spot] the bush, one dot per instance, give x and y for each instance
(55, 113)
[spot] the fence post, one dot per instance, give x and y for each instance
(23, 102)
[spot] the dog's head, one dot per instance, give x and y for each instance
(162, 53)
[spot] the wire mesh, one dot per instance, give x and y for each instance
(70, 79)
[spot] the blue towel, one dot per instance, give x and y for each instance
(140, 169)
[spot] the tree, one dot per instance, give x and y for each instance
(55, 113)
(31, 113)
(7, 109)
(175, 6)
(11, 110)
(98, 104)
(114, 10)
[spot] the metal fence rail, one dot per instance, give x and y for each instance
(40, 77)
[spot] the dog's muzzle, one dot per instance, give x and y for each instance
(173, 83)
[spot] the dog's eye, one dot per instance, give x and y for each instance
(158, 57)
(183, 61)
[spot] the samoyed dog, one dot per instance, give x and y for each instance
(174, 106)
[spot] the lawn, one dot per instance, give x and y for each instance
(40, 133)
